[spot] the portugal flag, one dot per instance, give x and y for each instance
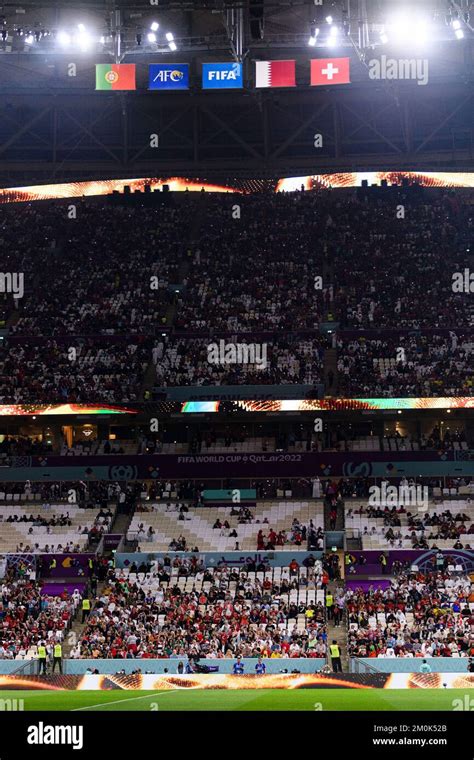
(275, 74)
(115, 76)
(330, 71)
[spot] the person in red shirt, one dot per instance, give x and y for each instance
(294, 567)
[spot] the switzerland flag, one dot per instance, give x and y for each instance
(275, 74)
(330, 71)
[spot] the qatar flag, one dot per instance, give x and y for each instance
(275, 74)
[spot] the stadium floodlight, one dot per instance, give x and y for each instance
(313, 36)
(154, 26)
(84, 40)
(151, 37)
(405, 28)
(64, 39)
(172, 46)
(169, 36)
(420, 32)
(459, 34)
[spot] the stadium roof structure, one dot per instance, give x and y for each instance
(56, 127)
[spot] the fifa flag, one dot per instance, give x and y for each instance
(115, 76)
(326, 71)
(275, 74)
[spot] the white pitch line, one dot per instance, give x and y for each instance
(121, 701)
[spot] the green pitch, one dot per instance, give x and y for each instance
(240, 699)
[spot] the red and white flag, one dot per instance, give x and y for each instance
(330, 71)
(275, 74)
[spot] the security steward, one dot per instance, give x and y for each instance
(58, 657)
(42, 657)
(335, 653)
(86, 608)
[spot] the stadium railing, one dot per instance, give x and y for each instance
(27, 668)
(276, 665)
(407, 664)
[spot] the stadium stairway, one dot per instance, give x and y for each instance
(121, 523)
(338, 632)
(73, 636)
(330, 372)
(77, 628)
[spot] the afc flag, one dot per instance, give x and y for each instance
(326, 71)
(168, 76)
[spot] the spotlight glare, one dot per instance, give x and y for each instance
(456, 24)
(64, 38)
(169, 36)
(405, 28)
(328, 19)
(84, 41)
(172, 46)
(384, 38)
(334, 31)
(81, 27)
(459, 34)
(29, 39)
(154, 26)
(312, 41)
(151, 37)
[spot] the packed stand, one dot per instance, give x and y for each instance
(296, 360)
(29, 617)
(407, 365)
(183, 609)
(418, 615)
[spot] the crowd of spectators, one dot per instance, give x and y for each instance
(418, 615)
(91, 275)
(416, 364)
(299, 535)
(225, 613)
(31, 372)
(107, 283)
(292, 360)
(28, 617)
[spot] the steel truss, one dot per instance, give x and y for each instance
(52, 136)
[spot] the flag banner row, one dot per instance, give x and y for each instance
(221, 76)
